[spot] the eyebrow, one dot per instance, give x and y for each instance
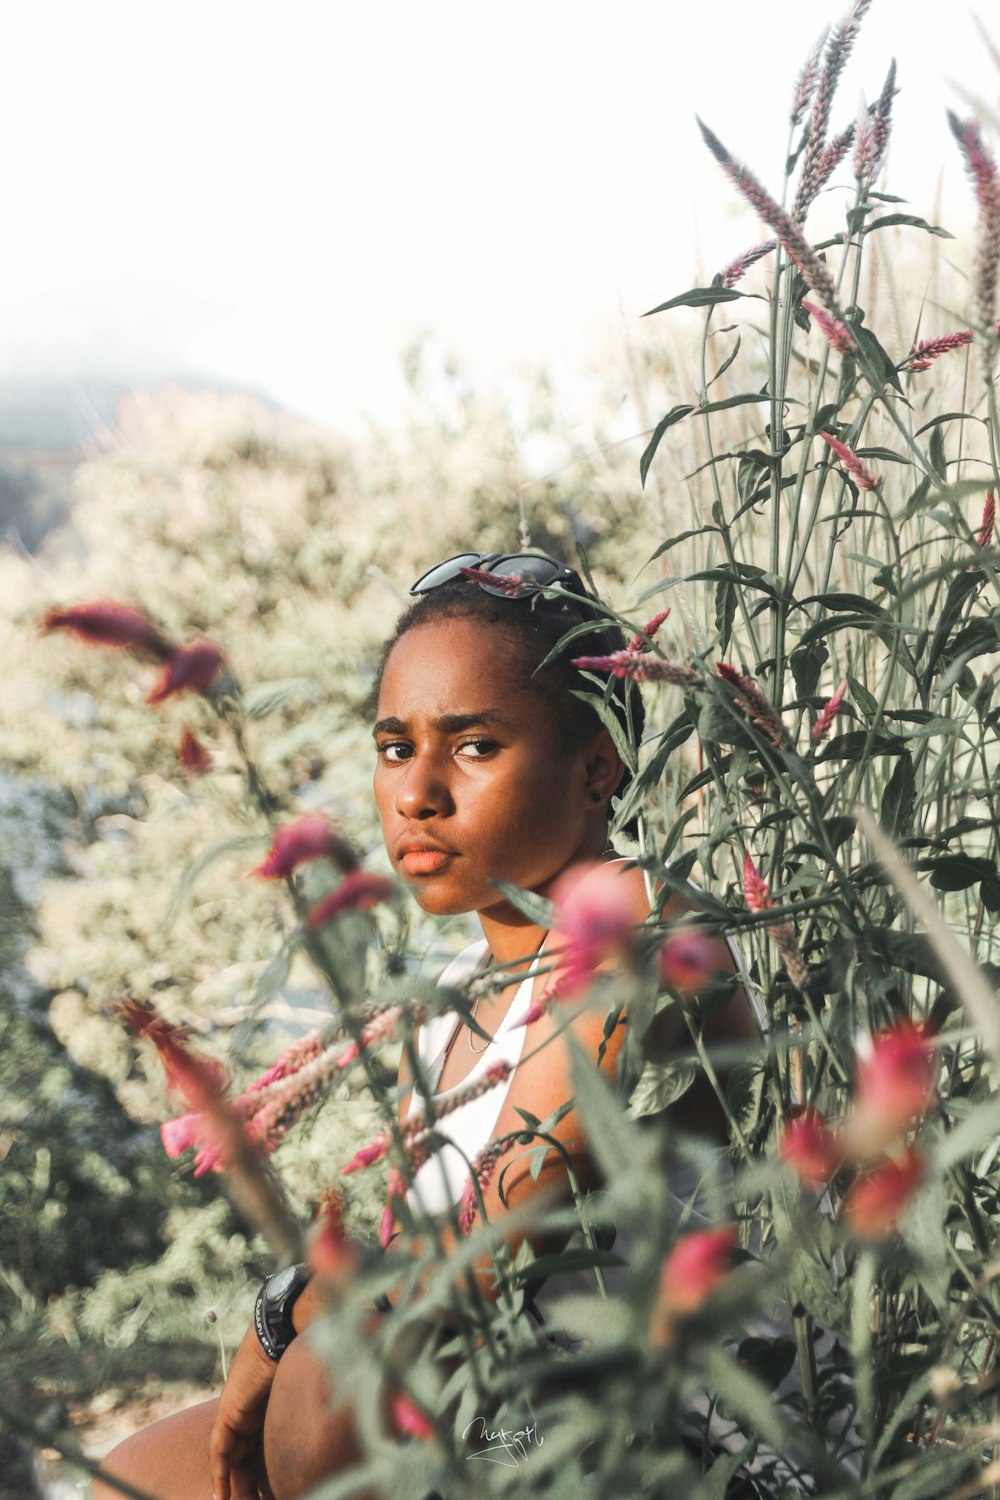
(447, 723)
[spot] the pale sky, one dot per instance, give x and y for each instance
(280, 194)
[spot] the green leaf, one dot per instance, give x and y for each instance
(725, 612)
(675, 541)
(265, 698)
(624, 1153)
(699, 296)
(195, 870)
(956, 872)
(536, 908)
(659, 1085)
(726, 362)
(887, 220)
(677, 414)
(807, 666)
(877, 357)
(612, 723)
(862, 697)
(899, 799)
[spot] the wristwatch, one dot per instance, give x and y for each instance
(272, 1316)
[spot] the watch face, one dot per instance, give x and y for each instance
(279, 1283)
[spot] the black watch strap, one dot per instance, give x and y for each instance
(272, 1316)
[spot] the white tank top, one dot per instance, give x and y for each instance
(443, 1176)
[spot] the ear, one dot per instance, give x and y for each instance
(603, 767)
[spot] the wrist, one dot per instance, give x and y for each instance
(272, 1317)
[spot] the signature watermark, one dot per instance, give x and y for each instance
(501, 1447)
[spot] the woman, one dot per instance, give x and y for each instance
(488, 769)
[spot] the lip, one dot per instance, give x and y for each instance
(422, 858)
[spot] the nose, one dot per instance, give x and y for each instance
(423, 789)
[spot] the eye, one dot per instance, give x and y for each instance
(395, 751)
(478, 749)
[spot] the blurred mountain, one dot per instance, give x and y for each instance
(46, 427)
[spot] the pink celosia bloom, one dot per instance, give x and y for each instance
(594, 915)
(923, 355)
(689, 1274)
(410, 1419)
(309, 837)
(829, 712)
(641, 666)
(376, 1031)
(104, 622)
(199, 1080)
(866, 480)
(811, 1147)
(332, 1254)
(894, 1084)
(838, 335)
(638, 642)
(688, 962)
(986, 524)
(190, 668)
(508, 583)
(754, 702)
(191, 753)
(374, 1151)
(874, 1203)
(756, 891)
(483, 1167)
(359, 890)
(738, 268)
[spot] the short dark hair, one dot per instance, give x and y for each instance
(537, 624)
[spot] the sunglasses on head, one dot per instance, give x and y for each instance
(535, 569)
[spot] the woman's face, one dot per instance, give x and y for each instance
(472, 783)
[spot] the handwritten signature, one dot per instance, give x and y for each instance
(503, 1447)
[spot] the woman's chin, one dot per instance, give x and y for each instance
(434, 897)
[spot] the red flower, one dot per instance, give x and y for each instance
(358, 891)
(923, 355)
(864, 477)
(373, 1152)
(192, 754)
(106, 623)
(687, 962)
(332, 1254)
(193, 667)
(410, 1419)
(641, 666)
(811, 1147)
(212, 1123)
(756, 891)
(641, 642)
(875, 1202)
(396, 1188)
(308, 838)
(838, 335)
(594, 914)
(829, 712)
(986, 524)
(508, 583)
(894, 1084)
(689, 1274)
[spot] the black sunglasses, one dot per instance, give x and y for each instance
(534, 569)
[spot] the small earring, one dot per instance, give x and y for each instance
(597, 796)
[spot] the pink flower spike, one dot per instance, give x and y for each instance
(396, 1188)
(866, 480)
(811, 1147)
(756, 891)
(641, 666)
(986, 524)
(104, 622)
(308, 838)
(829, 712)
(638, 642)
(923, 355)
(359, 890)
(181, 1134)
(838, 335)
(374, 1151)
(688, 962)
(738, 268)
(190, 668)
(508, 583)
(410, 1419)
